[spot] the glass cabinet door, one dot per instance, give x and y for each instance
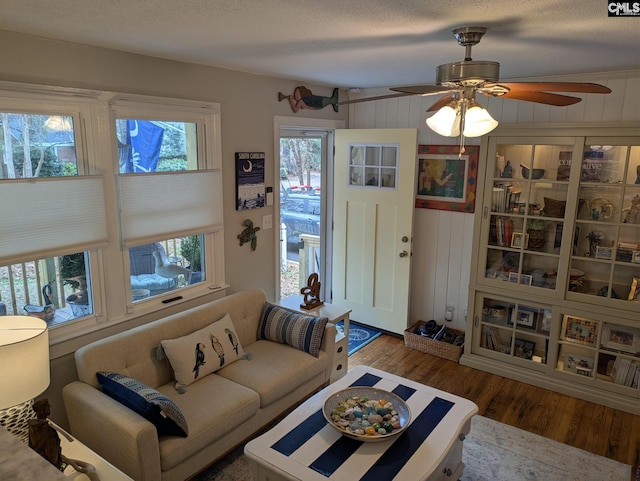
(606, 258)
(527, 212)
(514, 329)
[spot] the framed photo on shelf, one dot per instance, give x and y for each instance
(578, 364)
(447, 180)
(518, 239)
(525, 279)
(604, 252)
(579, 330)
(526, 317)
(621, 338)
(545, 321)
(635, 258)
(524, 348)
(514, 277)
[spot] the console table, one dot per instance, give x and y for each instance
(303, 447)
(335, 315)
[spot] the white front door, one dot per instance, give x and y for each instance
(374, 192)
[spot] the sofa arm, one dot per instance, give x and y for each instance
(115, 432)
(328, 344)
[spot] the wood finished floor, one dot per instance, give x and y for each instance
(592, 427)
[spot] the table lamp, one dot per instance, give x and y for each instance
(24, 370)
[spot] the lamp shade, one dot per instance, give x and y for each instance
(477, 122)
(445, 122)
(24, 359)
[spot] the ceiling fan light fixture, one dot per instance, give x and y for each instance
(446, 121)
(477, 122)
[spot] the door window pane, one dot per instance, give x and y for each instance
(380, 169)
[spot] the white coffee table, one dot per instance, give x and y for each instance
(304, 447)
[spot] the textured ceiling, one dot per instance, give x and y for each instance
(343, 43)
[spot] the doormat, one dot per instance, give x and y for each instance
(359, 335)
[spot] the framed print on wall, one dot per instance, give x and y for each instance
(446, 179)
(250, 183)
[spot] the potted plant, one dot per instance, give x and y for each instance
(537, 230)
(190, 250)
(73, 272)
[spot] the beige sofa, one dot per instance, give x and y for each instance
(222, 409)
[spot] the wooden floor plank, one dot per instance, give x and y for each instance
(592, 427)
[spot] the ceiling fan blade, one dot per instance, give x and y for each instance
(379, 97)
(587, 88)
(541, 97)
(441, 102)
(424, 89)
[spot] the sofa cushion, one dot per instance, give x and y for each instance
(276, 370)
(146, 401)
(204, 351)
(288, 327)
(213, 407)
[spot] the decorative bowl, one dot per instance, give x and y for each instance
(371, 393)
(535, 173)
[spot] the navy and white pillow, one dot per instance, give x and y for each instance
(146, 401)
(289, 327)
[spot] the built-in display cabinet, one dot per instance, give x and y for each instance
(555, 285)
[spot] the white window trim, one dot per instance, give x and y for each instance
(95, 113)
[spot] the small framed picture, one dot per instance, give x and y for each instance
(604, 252)
(545, 322)
(635, 258)
(524, 349)
(525, 279)
(578, 364)
(525, 317)
(519, 239)
(621, 338)
(514, 277)
(579, 330)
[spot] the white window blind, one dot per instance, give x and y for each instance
(49, 217)
(169, 204)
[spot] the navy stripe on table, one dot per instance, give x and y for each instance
(394, 458)
(304, 431)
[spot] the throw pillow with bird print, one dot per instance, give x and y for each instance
(203, 352)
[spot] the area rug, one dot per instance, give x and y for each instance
(359, 335)
(492, 451)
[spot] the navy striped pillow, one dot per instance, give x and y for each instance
(288, 327)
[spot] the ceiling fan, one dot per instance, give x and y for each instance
(460, 81)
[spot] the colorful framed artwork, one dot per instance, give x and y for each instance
(446, 179)
(579, 330)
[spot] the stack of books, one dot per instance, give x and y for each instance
(501, 232)
(505, 197)
(626, 372)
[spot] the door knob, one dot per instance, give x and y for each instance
(404, 254)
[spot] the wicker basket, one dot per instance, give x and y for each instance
(413, 340)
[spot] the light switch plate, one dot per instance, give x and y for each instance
(267, 221)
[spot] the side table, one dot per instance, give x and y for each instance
(74, 449)
(334, 314)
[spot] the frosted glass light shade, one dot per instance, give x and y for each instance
(445, 122)
(24, 357)
(477, 122)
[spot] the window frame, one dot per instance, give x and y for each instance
(94, 114)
